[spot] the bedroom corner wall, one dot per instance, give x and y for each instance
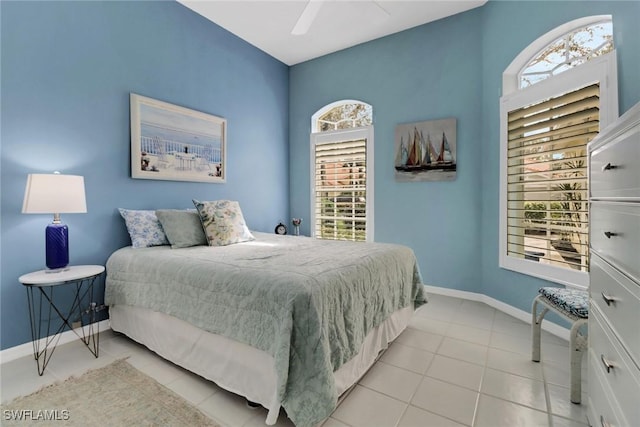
(503, 38)
(425, 73)
(449, 68)
(67, 71)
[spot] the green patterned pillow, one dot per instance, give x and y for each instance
(223, 222)
(182, 227)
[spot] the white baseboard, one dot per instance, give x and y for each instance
(525, 316)
(26, 349)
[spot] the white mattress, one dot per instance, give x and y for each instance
(235, 366)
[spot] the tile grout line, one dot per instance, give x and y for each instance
(482, 379)
(547, 397)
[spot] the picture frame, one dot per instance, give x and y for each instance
(426, 151)
(170, 142)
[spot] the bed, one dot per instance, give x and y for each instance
(288, 322)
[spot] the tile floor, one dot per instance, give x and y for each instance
(460, 363)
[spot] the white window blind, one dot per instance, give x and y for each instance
(340, 190)
(547, 203)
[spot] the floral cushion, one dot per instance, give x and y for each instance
(568, 300)
(182, 227)
(144, 228)
(223, 222)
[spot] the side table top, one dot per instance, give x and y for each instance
(46, 278)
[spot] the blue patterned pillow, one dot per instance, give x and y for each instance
(144, 228)
(223, 222)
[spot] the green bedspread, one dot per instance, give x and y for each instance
(309, 303)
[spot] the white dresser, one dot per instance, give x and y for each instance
(614, 314)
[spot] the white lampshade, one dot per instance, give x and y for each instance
(54, 193)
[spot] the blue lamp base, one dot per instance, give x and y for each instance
(57, 247)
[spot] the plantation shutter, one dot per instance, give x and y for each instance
(340, 190)
(547, 203)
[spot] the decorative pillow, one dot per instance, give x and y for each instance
(183, 228)
(572, 301)
(144, 228)
(223, 222)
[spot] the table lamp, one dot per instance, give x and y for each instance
(55, 194)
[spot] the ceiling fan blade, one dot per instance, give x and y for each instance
(307, 17)
(377, 3)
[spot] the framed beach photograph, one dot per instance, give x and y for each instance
(169, 142)
(426, 151)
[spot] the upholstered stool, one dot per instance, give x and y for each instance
(572, 305)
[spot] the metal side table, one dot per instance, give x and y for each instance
(41, 288)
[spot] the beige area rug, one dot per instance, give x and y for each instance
(116, 395)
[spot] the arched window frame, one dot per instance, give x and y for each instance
(318, 137)
(315, 119)
(602, 70)
(511, 75)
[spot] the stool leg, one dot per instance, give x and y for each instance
(576, 363)
(536, 324)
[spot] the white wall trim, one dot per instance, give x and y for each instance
(26, 349)
(525, 316)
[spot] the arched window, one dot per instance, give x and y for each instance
(558, 93)
(342, 171)
(569, 51)
(342, 115)
(573, 39)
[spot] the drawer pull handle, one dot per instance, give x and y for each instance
(606, 364)
(608, 167)
(608, 299)
(610, 234)
(603, 423)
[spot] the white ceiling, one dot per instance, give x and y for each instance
(337, 24)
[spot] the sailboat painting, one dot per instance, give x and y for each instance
(426, 151)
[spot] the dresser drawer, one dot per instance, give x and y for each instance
(615, 234)
(618, 298)
(613, 364)
(615, 172)
(603, 410)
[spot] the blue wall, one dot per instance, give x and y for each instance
(67, 71)
(449, 68)
(68, 68)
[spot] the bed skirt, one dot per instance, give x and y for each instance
(235, 366)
